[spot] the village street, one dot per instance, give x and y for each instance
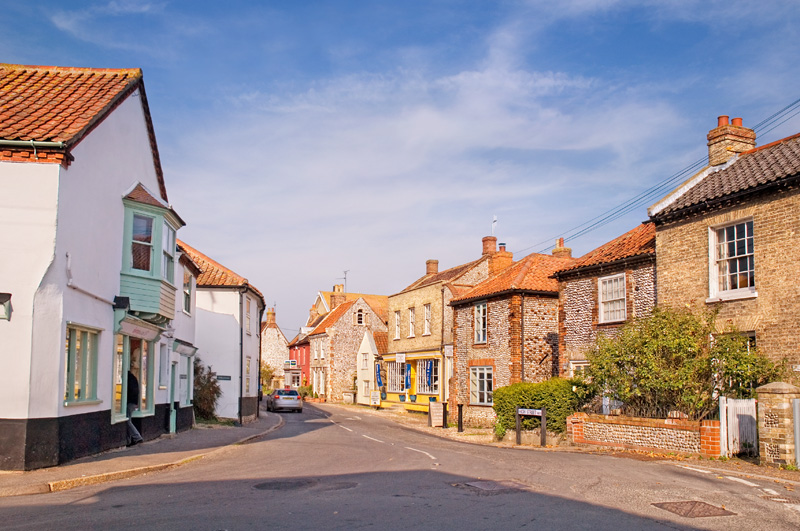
(332, 467)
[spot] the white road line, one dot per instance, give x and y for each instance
(344, 427)
(420, 451)
(770, 492)
(371, 438)
(742, 481)
(697, 469)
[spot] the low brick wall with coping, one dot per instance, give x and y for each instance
(653, 435)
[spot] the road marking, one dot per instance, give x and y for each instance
(344, 427)
(742, 481)
(371, 438)
(770, 492)
(420, 451)
(697, 469)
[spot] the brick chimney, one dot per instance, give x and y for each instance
(489, 245)
(500, 260)
(270, 317)
(431, 267)
(728, 139)
(337, 297)
(559, 251)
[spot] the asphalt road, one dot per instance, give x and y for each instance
(333, 468)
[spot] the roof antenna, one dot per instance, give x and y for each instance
(494, 222)
(345, 279)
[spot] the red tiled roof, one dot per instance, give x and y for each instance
(214, 274)
(532, 273)
(331, 318)
(381, 342)
(638, 241)
(763, 166)
(378, 303)
(63, 104)
(141, 195)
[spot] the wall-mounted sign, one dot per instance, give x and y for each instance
(223, 378)
(448, 351)
(138, 330)
(375, 398)
(400, 358)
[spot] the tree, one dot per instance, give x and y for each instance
(267, 373)
(676, 360)
(206, 391)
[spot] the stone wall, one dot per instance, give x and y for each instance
(776, 443)
(683, 270)
(652, 435)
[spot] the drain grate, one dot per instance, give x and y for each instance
(693, 509)
(494, 486)
(286, 484)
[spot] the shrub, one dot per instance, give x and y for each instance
(556, 395)
(305, 391)
(666, 362)
(206, 391)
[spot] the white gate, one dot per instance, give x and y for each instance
(738, 426)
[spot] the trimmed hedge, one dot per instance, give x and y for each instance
(555, 394)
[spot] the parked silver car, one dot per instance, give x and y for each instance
(284, 399)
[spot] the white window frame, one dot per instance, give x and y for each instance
(427, 330)
(612, 298)
(411, 317)
(397, 324)
(365, 387)
(481, 394)
(577, 367)
(358, 317)
(168, 249)
(187, 292)
(365, 360)
(480, 322)
(247, 315)
(716, 282)
(422, 379)
(163, 365)
(81, 364)
(396, 374)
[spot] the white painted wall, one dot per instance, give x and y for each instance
(366, 375)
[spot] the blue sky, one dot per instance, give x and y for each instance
(302, 139)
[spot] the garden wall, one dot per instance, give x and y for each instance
(653, 435)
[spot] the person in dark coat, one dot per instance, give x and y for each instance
(134, 437)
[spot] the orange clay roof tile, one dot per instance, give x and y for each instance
(215, 274)
(639, 241)
(331, 318)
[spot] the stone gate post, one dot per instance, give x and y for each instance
(775, 423)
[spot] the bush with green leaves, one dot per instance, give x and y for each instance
(677, 360)
(206, 391)
(305, 391)
(556, 394)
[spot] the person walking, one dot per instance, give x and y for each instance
(134, 437)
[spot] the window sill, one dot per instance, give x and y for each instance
(733, 295)
(83, 403)
(479, 345)
(612, 323)
(481, 405)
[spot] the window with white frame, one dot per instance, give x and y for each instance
(734, 266)
(427, 331)
(396, 373)
(81, 352)
(428, 377)
(187, 291)
(479, 311)
(365, 360)
(163, 366)
(480, 386)
(397, 324)
(578, 368)
(296, 379)
(247, 314)
(322, 351)
(411, 313)
(168, 248)
(359, 317)
(365, 388)
(612, 298)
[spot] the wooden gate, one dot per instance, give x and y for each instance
(738, 426)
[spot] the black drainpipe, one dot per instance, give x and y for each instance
(522, 337)
(241, 350)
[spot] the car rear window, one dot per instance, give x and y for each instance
(283, 392)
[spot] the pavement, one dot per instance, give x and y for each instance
(173, 450)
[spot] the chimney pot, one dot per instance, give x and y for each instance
(559, 251)
(489, 245)
(722, 120)
(728, 140)
(737, 122)
(431, 267)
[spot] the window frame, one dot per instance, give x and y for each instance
(247, 315)
(187, 292)
(396, 377)
(87, 379)
(168, 250)
(397, 324)
(422, 385)
(602, 302)
(478, 374)
(427, 330)
(480, 323)
(716, 293)
(159, 219)
(411, 321)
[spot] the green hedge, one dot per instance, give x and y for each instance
(555, 394)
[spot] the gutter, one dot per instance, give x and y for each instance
(33, 143)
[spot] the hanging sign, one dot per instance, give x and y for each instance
(408, 376)
(378, 378)
(429, 371)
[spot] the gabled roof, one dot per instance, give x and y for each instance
(381, 342)
(187, 261)
(140, 194)
(531, 274)
(378, 303)
(639, 241)
(448, 275)
(214, 274)
(331, 318)
(761, 168)
(64, 104)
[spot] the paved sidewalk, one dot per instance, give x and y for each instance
(165, 452)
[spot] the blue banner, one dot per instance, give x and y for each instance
(378, 375)
(408, 376)
(429, 371)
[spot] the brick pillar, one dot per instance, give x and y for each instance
(775, 424)
(709, 438)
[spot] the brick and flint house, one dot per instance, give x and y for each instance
(90, 275)
(275, 354)
(418, 364)
(602, 290)
(229, 311)
(335, 341)
(505, 331)
(727, 238)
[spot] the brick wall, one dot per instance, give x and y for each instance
(580, 314)
(683, 270)
(652, 435)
